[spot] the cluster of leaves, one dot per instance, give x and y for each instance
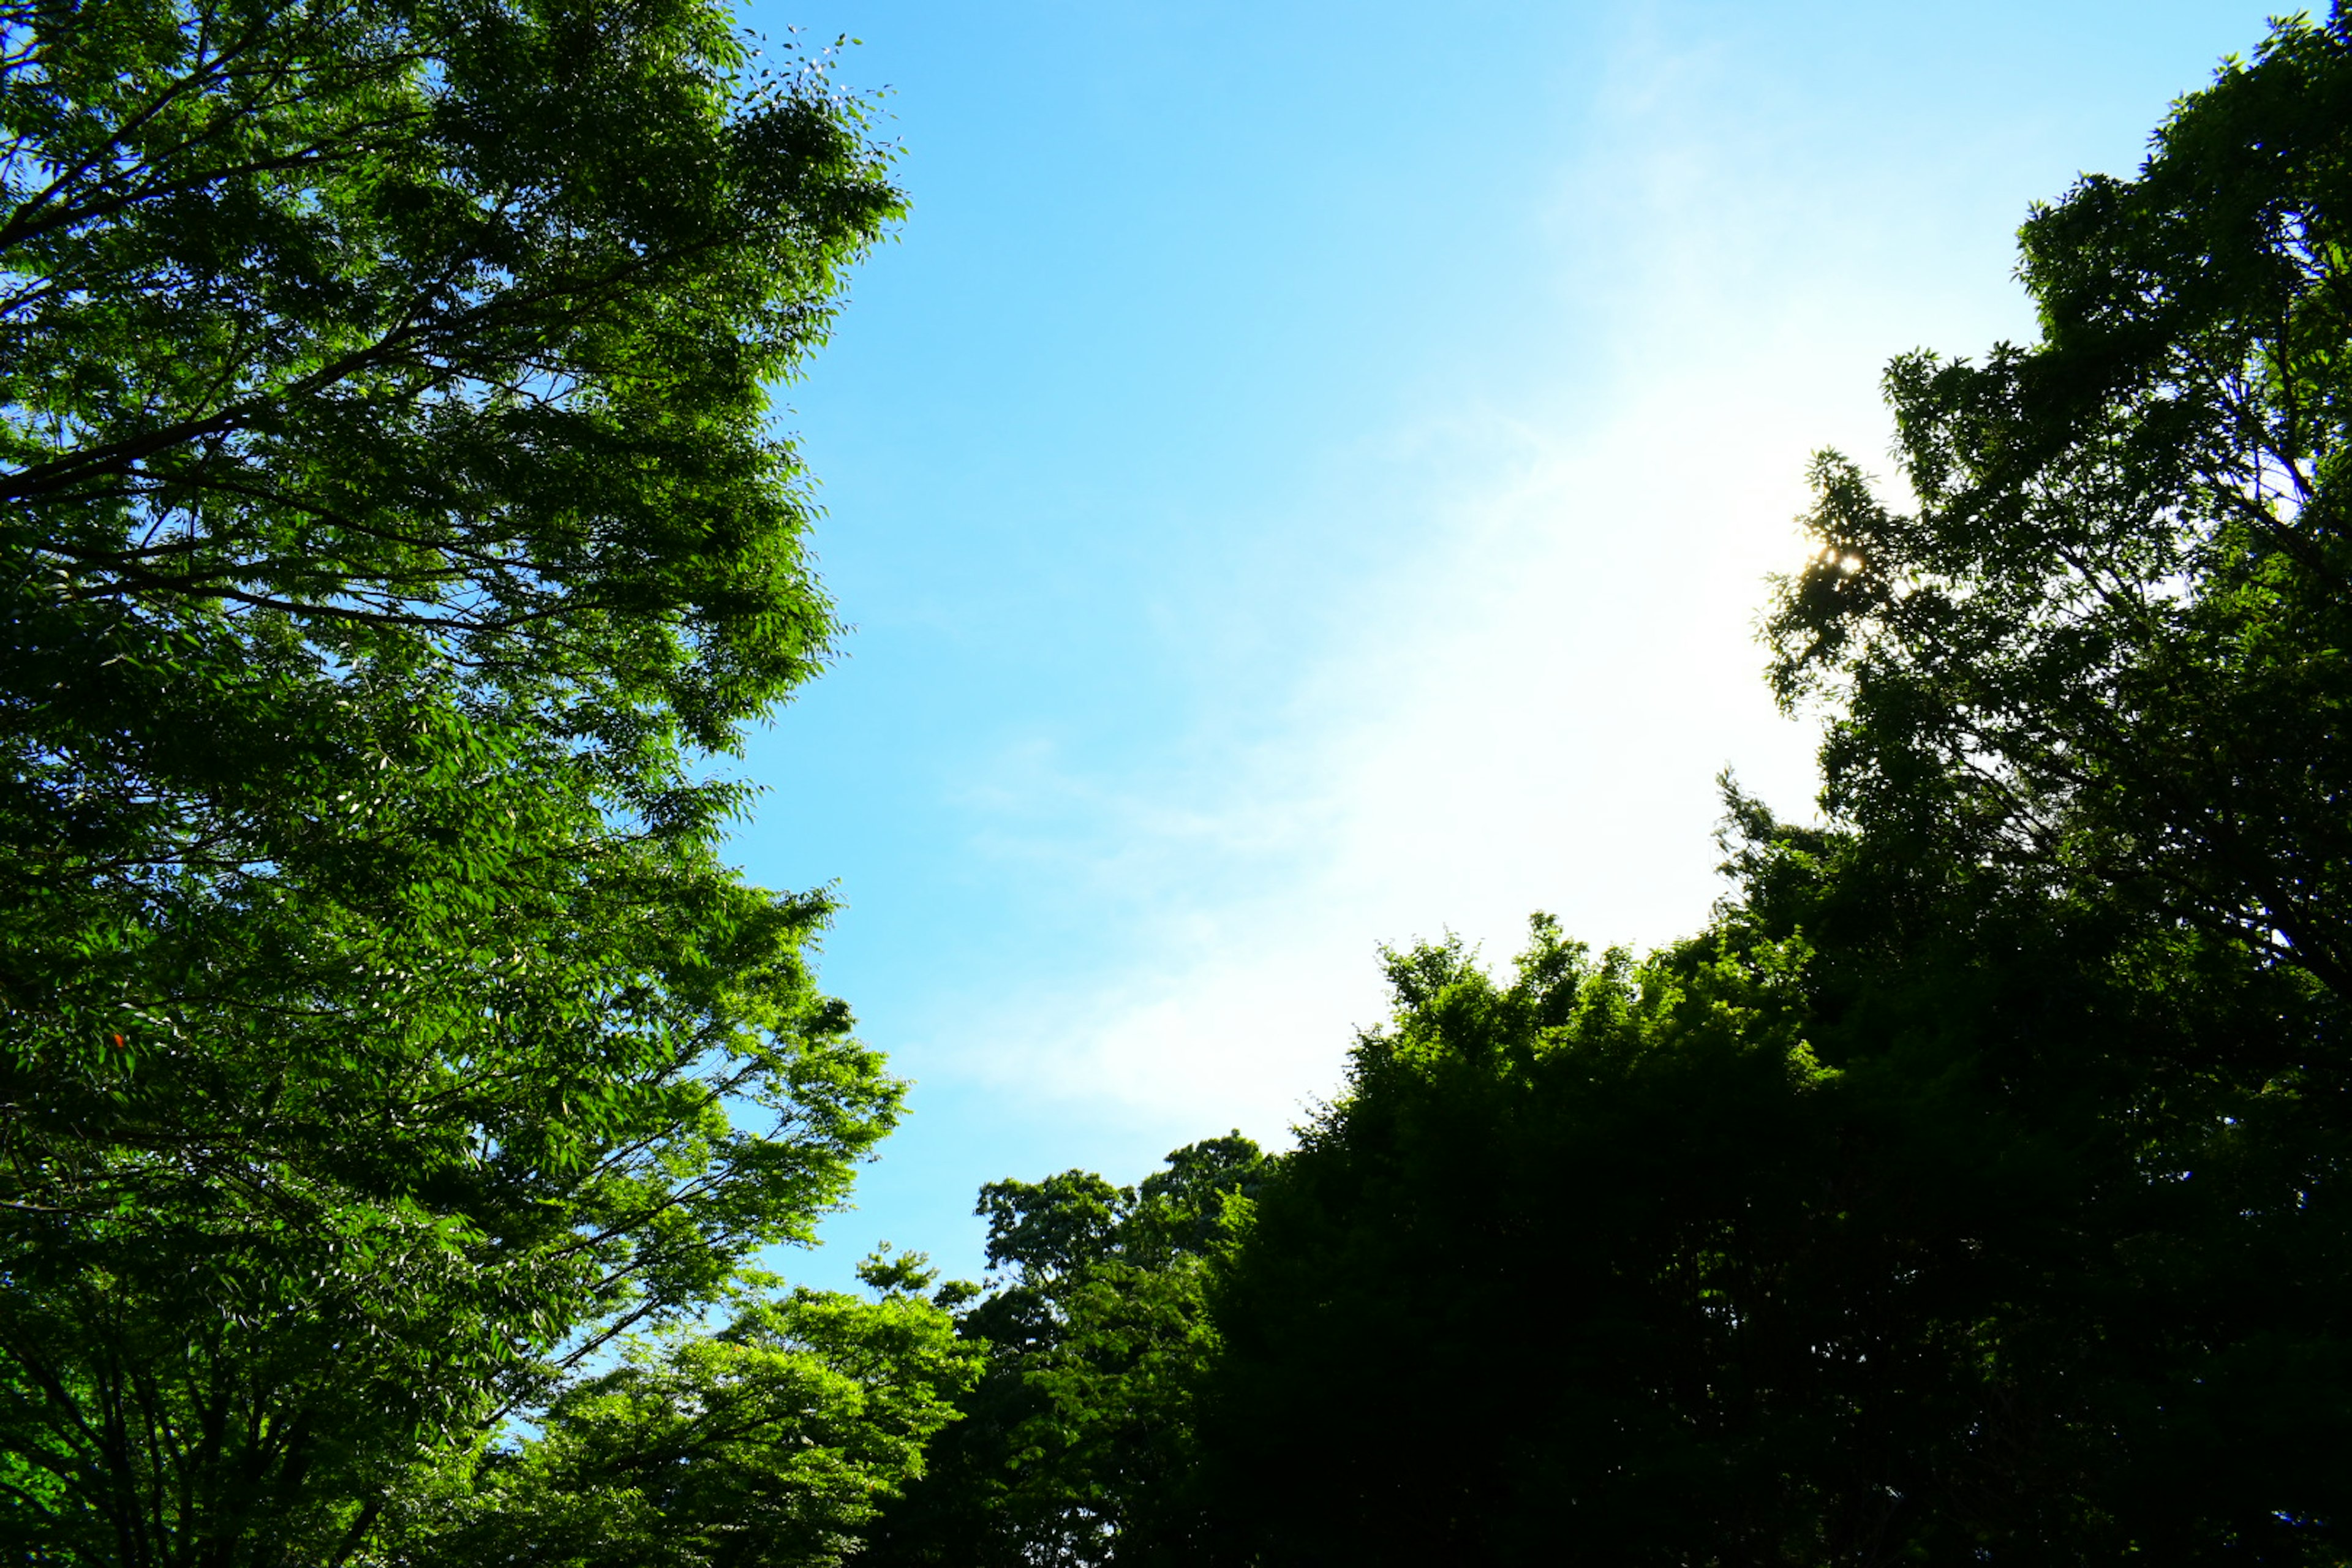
(389, 529)
(1763, 1250)
(1500, 1296)
(392, 1079)
(768, 1443)
(2108, 647)
(1974, 1189)
(1073, 1445)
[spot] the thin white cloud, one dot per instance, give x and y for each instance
(1527, 706)
(1529, 713)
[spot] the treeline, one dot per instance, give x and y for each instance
(398, 1087)
(396, 1082)
(1974, 1187)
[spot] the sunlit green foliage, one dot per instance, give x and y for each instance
(1076, 1444)
(391, 526)
(765, 1444)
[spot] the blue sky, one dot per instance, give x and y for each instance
(1304, 477)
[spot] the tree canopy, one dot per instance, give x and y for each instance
(1973, 1189)
(392, 529)
(1075, 1443)
(2109, 643)
(396, 1085)
(767, 1444)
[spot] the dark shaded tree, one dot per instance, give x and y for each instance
(1775, 1249)
(2107, 648)
(1521, 1294)
(1973, 1190)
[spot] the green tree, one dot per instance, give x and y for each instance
(1075, 1447)
(1535, 1288)
(2109, 646)
(390, 530)
(2088, 743)
(764, 1445)
(1800, 1242)
(1973, 1189)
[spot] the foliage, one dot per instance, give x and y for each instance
(391, 527)
(1973, 1189)
(1075, 1446)
(2108, 650)
(1761, 1251)
(764, 1445)
(1507, 1290)
(388, 1063)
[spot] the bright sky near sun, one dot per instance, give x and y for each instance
(1305, 477)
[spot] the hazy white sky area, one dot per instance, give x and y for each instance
(1306, 477)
